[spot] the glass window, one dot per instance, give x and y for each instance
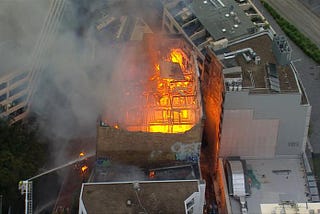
(18, 77)
(190, 203)
(18, 89)
(3, 97)
(19, 100)
(18, 112)
(3, 85)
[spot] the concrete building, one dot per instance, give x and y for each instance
(266, 110)
(265, 105)
(206, 23)
(14, 95)
(264, 128)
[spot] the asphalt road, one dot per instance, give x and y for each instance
(309, 73)
(300, 15)
(313, 5)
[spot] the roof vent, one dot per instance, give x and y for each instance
(237, 19)
(136, 186)
(129, 203)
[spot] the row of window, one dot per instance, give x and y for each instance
(190, 206)
(3, 85)
(18, 112)
(15, 79)
(13, 103)
(18, 78)
(3, 97)
(18, 89)
(15, 91)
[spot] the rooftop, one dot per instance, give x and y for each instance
(274, 181)
(108, 171)
(220, 18)
(135, 197)
(300, 208)
(223, 19)
(255, 76)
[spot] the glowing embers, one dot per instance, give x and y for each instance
(84, 168)
(178, 56)
(173, 106)
(169, 128)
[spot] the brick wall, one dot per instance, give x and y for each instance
(129, 146)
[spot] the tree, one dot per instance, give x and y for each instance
(21, 155)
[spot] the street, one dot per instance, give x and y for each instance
(306, 22)
(313, 5)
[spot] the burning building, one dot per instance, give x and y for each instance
(158, 109)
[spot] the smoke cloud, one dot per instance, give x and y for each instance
(79, 79)
(18, 33)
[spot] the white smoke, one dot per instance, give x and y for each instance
(76, 83)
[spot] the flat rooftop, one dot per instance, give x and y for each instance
(220, 18)
(155, 197)
(254, 76)
(107, 171)
(300, 208)
(223, 19)
(274, 181)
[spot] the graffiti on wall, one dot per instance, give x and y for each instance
(186, 152)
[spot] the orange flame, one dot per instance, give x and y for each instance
(152, 174)
(81, 154)
(84, 168)
(176, 56)
(168, 102)
(168, 88)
